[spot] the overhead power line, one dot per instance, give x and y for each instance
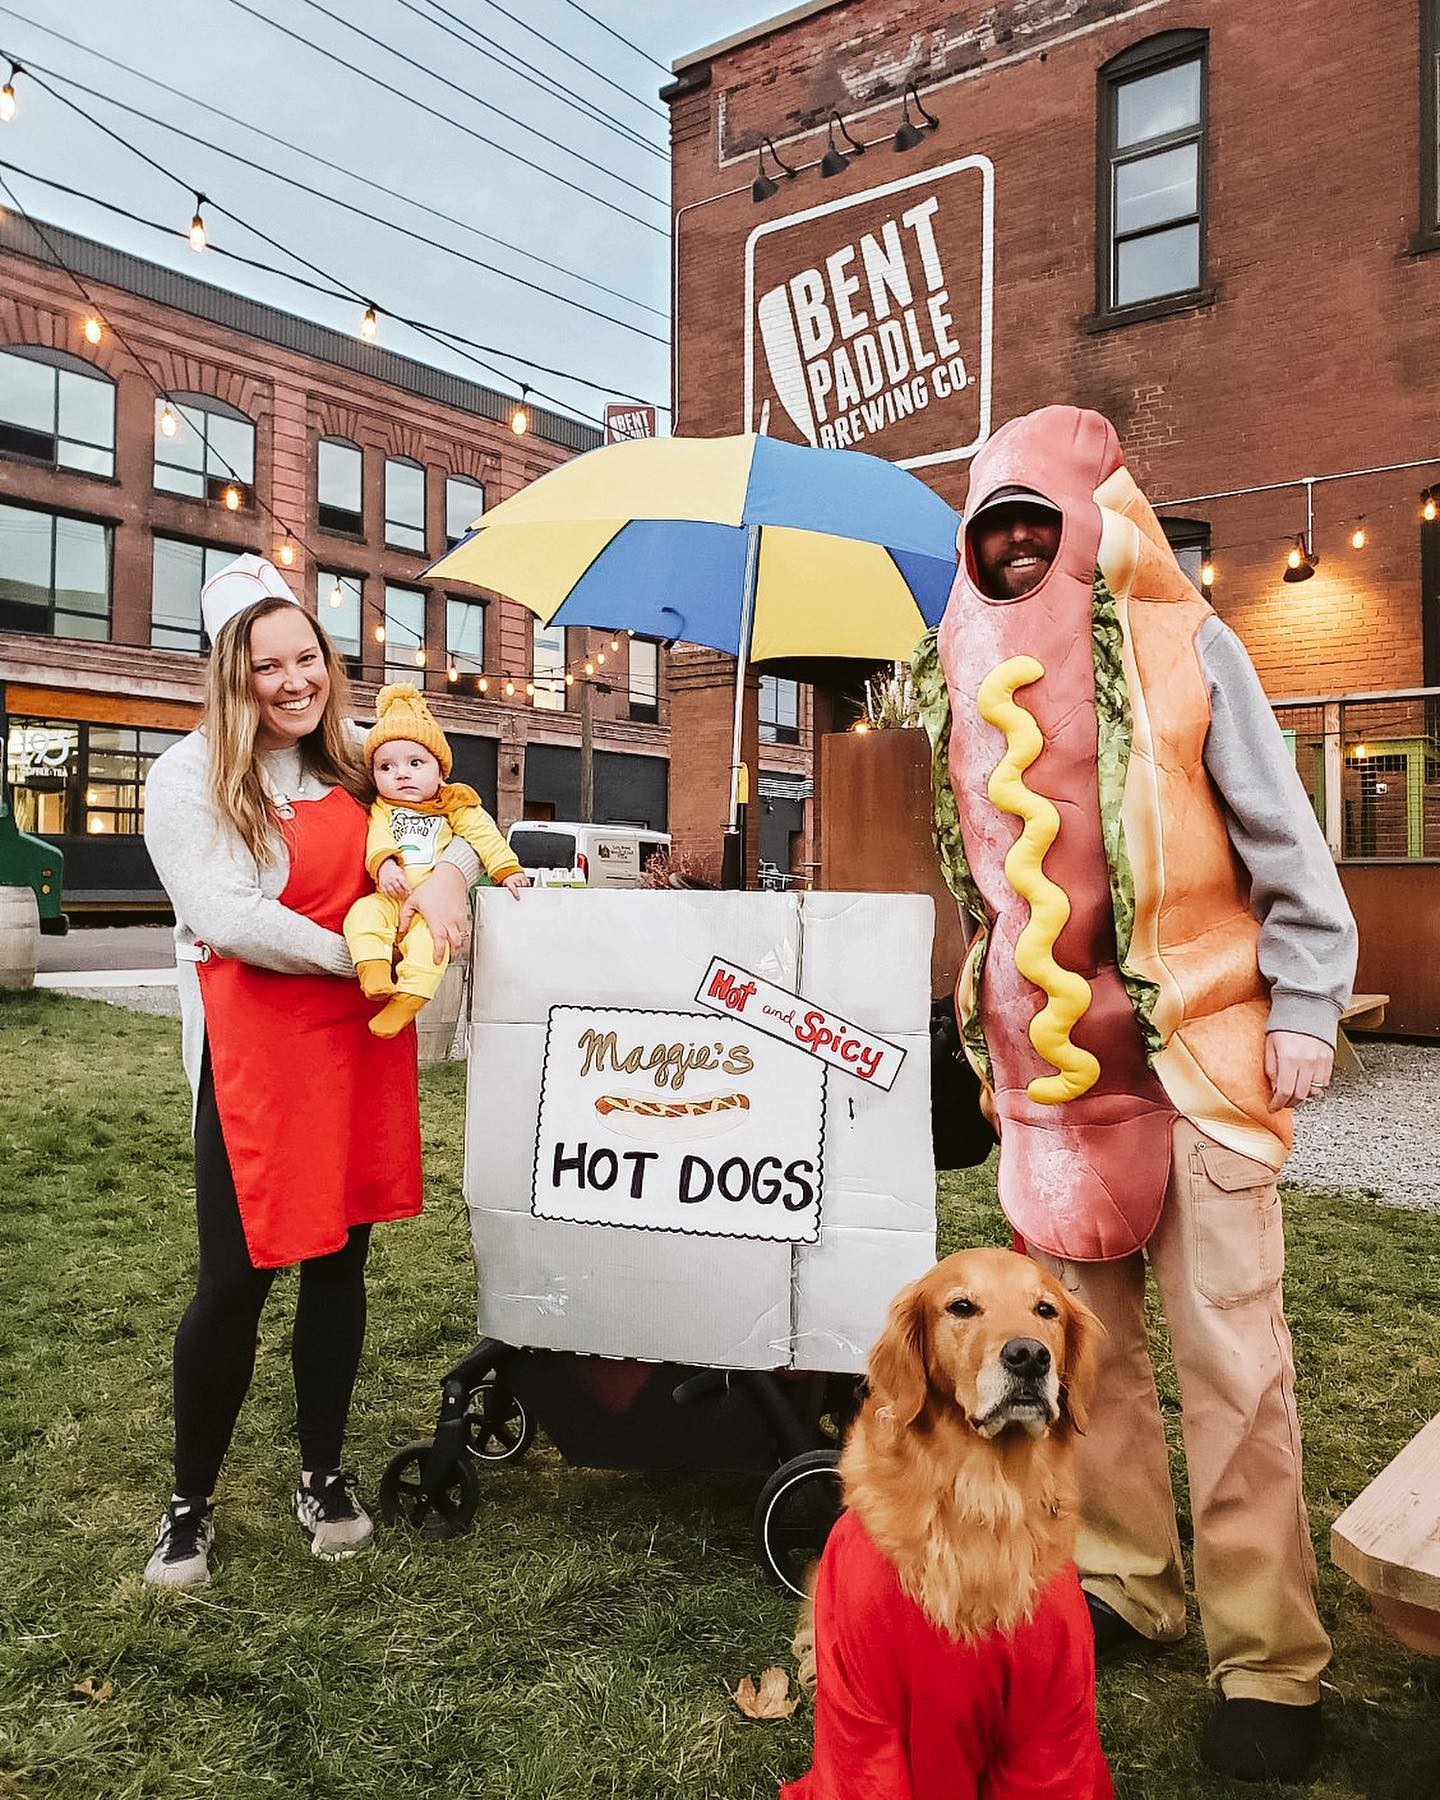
(432, 112)
(513, 64)
(570, 56)
(619, 37)
(349, 206)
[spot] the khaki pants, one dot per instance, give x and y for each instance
(1218, 1256)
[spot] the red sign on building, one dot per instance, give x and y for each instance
(624, 420)
(868, 319)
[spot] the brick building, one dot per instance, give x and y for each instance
(1213, 221)
(116, 503)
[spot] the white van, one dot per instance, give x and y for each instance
(556, 854)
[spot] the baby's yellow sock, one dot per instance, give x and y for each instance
(377, 979)
(391, 1020)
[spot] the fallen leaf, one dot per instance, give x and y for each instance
(87, 1690)
(772, 1701)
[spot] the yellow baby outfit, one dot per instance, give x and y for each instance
(415, 835)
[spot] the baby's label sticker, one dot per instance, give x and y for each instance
(416, 835)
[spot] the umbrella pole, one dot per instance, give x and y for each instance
(742, 663)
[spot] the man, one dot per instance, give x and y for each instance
(1162, 955)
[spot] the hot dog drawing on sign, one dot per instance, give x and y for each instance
(1112, 983)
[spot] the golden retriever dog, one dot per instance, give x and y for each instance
(953, 1652)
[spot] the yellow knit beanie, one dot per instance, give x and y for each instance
(401, 712)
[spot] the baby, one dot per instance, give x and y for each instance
(415, 815)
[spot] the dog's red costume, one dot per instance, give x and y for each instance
(904, 1712)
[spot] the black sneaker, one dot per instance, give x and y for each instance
(1114, 1637)
(326, 1506)
(181, 1557)
(1261, 1740)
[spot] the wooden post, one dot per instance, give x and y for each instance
(587, 752)
(1334, 781)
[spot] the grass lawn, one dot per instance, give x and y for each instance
(580, 1642)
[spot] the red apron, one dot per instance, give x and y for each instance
(321, 1119)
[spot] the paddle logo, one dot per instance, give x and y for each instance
(868, 320)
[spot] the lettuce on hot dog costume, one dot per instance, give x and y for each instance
(1116, 810)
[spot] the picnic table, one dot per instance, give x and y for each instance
(1363, 1012)
(1388, 1539)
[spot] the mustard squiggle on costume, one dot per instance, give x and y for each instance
(1067, 994)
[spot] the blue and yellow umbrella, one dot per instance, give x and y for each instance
(752, 546)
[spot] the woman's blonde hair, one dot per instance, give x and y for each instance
(238, 794)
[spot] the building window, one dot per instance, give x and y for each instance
(404, 633)
(549, 667)
(1190, 540)
(181, 569)
(1152, 171)
(465, 635)
(464, 503)
(644, 680)
(57, 410)
(54, 574)
(338, 606)
(1430, 118)
(210, 450)
(779, 710)
(339, 472)
(404, 504)
(72, 780)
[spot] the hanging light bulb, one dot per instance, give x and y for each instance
(1358, 537)
(420, 658)
(589, 668)
(1207, 573)
(520, 418)
(94, 330)
(287, 553)
(452, 673)
(530, 689)
(482, 684)
(7, 95)
(232, 497)
(337, 598)
(569, 681)
(369, 325)
(614, 643)
(169, 423)
(198, 240)
(1430, 507)
(379, 634)
(601, 659)
(509, 688)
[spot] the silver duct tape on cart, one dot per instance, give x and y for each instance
(678, 1146)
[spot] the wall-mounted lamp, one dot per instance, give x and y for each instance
(1300, 562)
(764, 187)
(910, 134)
(835, 161)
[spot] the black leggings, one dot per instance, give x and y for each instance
(215, 1345)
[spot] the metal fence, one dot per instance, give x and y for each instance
(1371, 766)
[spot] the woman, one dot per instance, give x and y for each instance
(306, 1125)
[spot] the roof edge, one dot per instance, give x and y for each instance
(752, 32)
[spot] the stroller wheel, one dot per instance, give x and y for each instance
(405, 1500)
(797, 1508)
(498, 1429)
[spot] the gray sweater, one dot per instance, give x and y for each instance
(220, 896)
(1308, 942)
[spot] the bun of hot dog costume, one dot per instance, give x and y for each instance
(1114, 982)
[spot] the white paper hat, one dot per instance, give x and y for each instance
(1013, 496)
(238, 585)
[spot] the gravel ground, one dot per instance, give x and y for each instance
(1378, 1132)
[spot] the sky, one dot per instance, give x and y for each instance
(462, 70)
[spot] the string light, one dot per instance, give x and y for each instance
(369, 325)
(94, 330)
(509, 687)
(420, 657)
(1429, 507)
(452, 673)
(1358, 537)
(232, 497)
(337, 598)
(530, 689)
(1207, 574)
(169, 424)
(379, 631)
(520, 418)
(601, 659)
(589, 668)
(614, 643)
(482, 684)
(7, 94)
(569, 681)
(198, 240)
(287, 553)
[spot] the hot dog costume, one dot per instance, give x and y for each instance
(416, 836)
(1116, 810)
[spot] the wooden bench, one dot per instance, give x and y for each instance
(1389, 1541)
(1363, 1012)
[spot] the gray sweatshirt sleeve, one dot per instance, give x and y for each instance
(214, 885)
(1308, 942)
